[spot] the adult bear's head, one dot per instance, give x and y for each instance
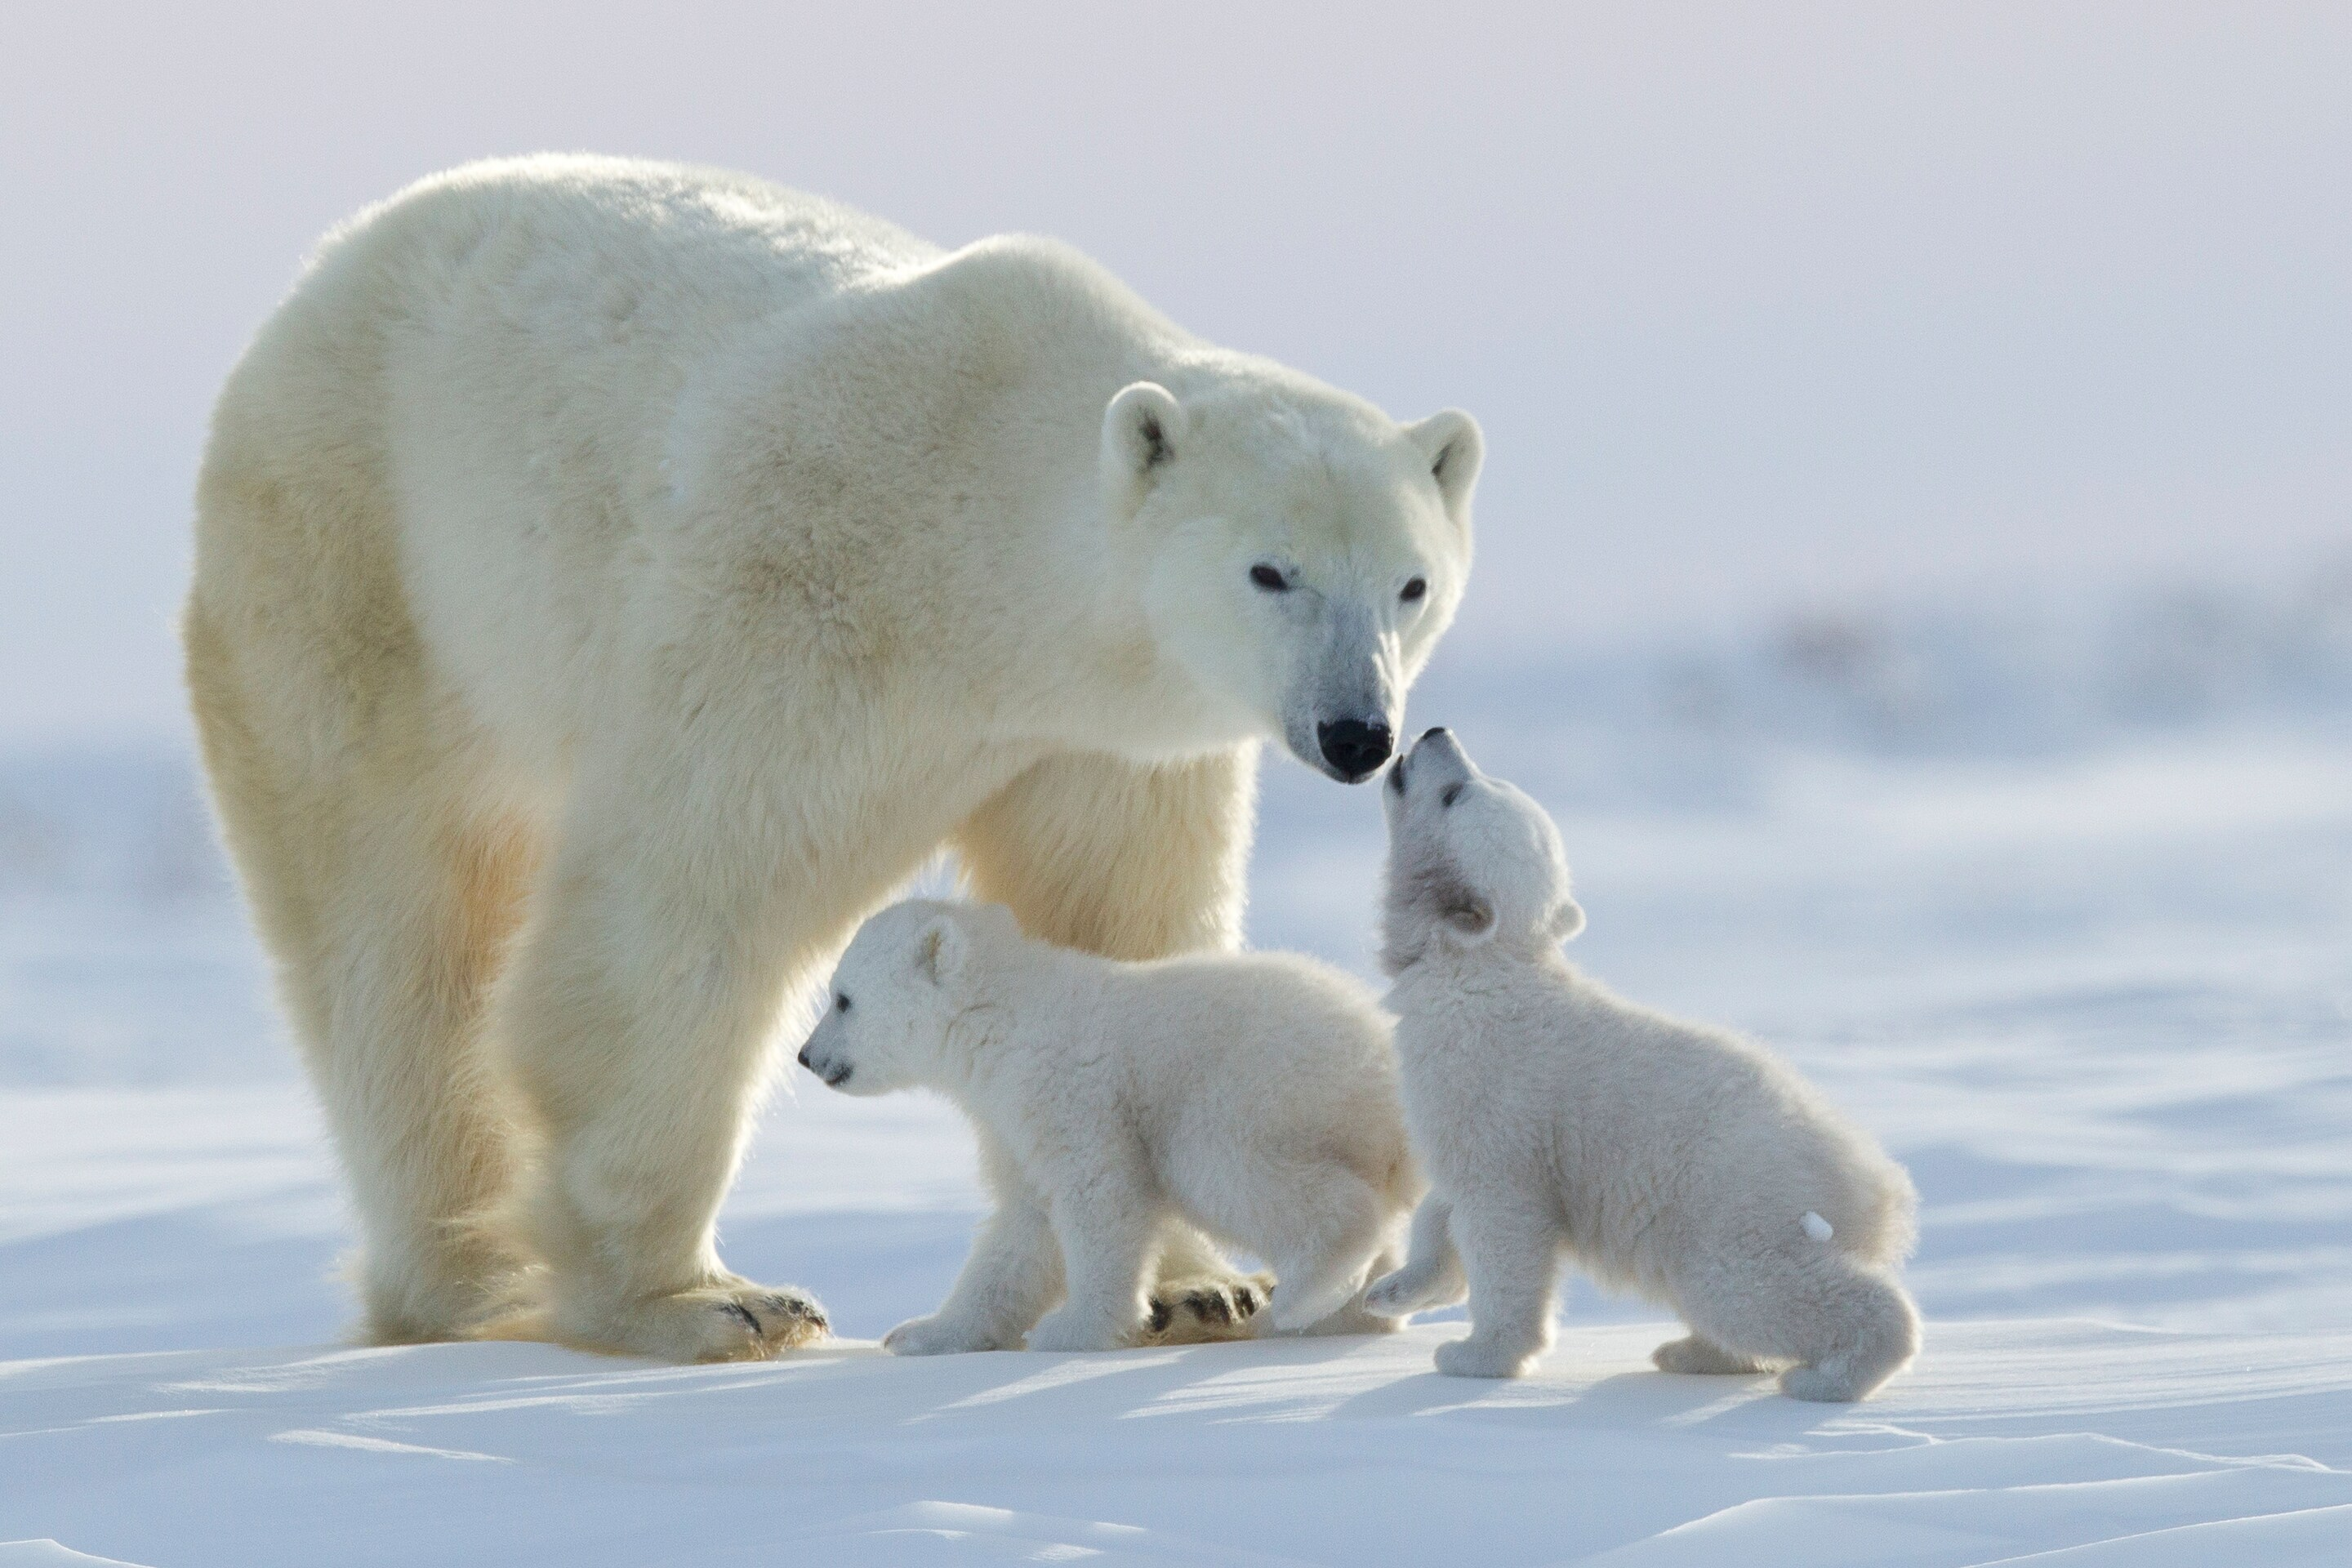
(1300, 552)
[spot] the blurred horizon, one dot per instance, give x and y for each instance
(1770, 315)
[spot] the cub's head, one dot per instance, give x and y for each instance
(1299, 553)
(1472, 861)
(906, 978)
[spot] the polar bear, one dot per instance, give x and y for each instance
(1677, 1162)
(1251, 1095)
(614, 579)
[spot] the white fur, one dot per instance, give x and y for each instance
(1253, 1096)
(611, 579)
(1675, 1161)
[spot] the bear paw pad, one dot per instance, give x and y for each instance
(1200, 1311)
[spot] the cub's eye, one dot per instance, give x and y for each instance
(1451, 794)
(841, 1003)
(1414, 590)
(1269, 578)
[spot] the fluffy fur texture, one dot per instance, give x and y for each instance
(612, 579)
(1254, 1096)
(1670, 1160)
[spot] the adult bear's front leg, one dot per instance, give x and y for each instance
(1134, 862)
(636, 1018)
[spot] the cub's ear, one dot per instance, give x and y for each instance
(1567, 921)
(1469, 920)
(1142, 429)
(1453, 449)
(942, 951)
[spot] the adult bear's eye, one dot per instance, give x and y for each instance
(841, 1003)
(1269, 578)
(1451, 794)
(1414, 590)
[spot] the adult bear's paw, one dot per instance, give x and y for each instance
(734, 1322)
(1204, 1309)
(737, 1320)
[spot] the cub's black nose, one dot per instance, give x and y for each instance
(1354, 749)
(1435, 730)
(803, 1058)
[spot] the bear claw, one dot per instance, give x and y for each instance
(1202, 1312)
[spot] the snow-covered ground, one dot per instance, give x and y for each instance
(2062, 908)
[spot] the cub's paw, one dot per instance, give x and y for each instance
(1409, 1291)
(1810, 1382)
(941, 1336)
(1350, 1319)
(1696, 1355)
(1064, 1330)
(1470, 1358)
(1200, 1312)
(1392, 1295)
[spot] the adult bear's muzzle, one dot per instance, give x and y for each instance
(1354, 749)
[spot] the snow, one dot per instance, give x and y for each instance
(2013, 1436)
(2083, 958)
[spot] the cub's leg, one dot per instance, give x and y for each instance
(1432, 1277)
(1509, 1242)
(1107, 1222)
(1322, 1239)
(1014, 1275)
(1133, 862)
(1353, 1318)
(1870, 1332)
(1848, 1327)
(384, 889)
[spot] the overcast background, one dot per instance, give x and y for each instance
(1761, 306)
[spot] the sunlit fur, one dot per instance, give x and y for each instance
(612, 579)
(1252, 1094)
(1666, 1159)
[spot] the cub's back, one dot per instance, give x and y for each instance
(1269, 1041)
(1690, 1110)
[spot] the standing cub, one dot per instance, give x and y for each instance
(1670, 1160)
(1254, 1096)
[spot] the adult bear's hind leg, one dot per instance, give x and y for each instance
(385, 894)
(1133, 862)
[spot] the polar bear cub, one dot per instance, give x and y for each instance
(1252, 1094)
(1674, 1161)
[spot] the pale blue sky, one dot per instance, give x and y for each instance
(1759, 304)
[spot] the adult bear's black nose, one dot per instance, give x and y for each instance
(1354, 749)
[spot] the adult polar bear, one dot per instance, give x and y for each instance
(612, 579)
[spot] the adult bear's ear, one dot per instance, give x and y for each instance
(1452, 446)
(1142, 429)
(941, 950)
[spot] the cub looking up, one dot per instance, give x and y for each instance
(1251, 1095)
(1667, 1159)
